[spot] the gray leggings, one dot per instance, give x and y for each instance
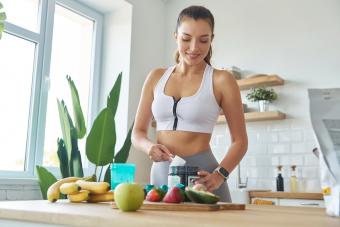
(204, 160)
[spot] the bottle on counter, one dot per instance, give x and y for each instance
(279, 180)
(185, 175)
(293, 180)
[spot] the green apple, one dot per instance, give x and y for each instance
(129, 196)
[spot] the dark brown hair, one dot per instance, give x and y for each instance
(197, 12)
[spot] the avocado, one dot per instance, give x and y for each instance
(201, 196)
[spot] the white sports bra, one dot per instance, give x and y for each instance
(196, 113)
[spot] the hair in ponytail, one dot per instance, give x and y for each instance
(196, 12)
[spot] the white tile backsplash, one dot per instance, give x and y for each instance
(296, 136)
(20, 190)
(279, 148)
(296, 160)
(272, 143)
(23, 194)
(298, 148)
(278, 126)
(257, 149)
(310, 172)
(284, 136)
(311, 160)
(3, 195)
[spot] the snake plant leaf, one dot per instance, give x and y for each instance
(3, 16)
(101, 141)
(65, 127)
(76, 167)
(123, 154)
(77, 111)
(2, 28)
(107, 176)
(46, 179)
(72, 128)
(63, 160)
(113, 98)
(92, 178)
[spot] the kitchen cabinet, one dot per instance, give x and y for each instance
(302, 199)
(293, 202)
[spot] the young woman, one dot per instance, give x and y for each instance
(185, 100)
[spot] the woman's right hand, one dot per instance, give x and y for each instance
(159, 153)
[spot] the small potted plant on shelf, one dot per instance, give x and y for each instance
(263, 96)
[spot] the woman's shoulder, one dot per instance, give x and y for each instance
(157, 73)
(223, 77)
(154, 76)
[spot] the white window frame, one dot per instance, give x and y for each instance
(40, 82)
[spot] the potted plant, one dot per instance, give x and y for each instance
(100, 142)
(2, 19)
(263, 96)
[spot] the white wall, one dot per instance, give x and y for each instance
(147, 53)
(297, 40)
(116, 58)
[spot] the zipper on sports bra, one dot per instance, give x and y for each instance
(174, 127)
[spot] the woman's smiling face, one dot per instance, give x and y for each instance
(193, 39)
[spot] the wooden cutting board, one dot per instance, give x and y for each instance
(187, 206)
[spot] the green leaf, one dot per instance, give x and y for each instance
(92, 178)
(107, 176)
(46, 179)
(77, 111)
(76, 167)
(65, 127)
(1, 6)
(123, 154)
(2, 27)
(113, 98)
(3, 16)
(63, 160)
(100, 143)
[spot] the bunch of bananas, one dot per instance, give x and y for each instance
(79, 190)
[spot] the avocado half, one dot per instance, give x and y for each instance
(201, 196)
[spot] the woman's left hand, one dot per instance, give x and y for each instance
(211, 180)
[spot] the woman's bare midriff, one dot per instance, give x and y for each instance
(184, 143)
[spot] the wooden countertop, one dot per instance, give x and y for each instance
(286, 195)
(85, 214)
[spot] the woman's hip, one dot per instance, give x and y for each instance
(203, 160)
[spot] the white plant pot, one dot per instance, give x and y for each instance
(263, 105)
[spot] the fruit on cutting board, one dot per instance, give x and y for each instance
(69, 188)
(155, 195)
(129, 196)
(81, 196)
(105, 197)
(199, 187)
(201, 196)
(174, 195)
(53, 192)
(94, 187)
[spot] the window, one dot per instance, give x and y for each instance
(15, 92)
(43, 42)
